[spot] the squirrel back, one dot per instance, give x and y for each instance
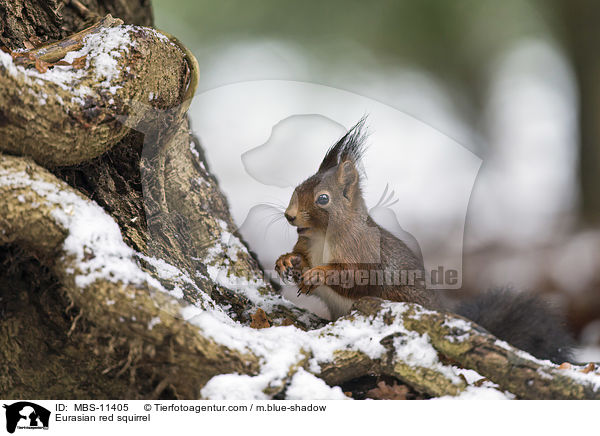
(342, 254)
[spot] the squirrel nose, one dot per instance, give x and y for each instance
(289, 217)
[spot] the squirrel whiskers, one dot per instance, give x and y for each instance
(342, 254)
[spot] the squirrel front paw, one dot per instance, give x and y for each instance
(312, 279)
(289, 267)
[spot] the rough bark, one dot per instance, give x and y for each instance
(154, 335)
(22, 21)
(57, 129)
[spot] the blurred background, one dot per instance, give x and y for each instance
(516, 83)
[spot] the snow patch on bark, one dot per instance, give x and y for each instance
(102, 50)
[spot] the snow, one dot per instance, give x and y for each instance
(234, 387)
(460, 329)
(153, 322)
(305, 385)
(95, 250)
(94, 239)
(523, 354)
(233, 244)
(281, 347)
(218, 261)
(457, 324)
(169, 272)
(102, 50)
(195, 152)
(415, 351)
(486, 391)
(479, 393)
(470, 375)
(592, 378)
(549, 369)
(94, 247)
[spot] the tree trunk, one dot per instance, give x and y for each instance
(582, 36)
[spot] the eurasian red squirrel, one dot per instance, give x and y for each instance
(342, 255)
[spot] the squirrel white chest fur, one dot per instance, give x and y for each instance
(320, 254)
(336, 304)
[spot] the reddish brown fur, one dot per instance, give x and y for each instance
(342, 237)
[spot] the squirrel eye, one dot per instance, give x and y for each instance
(322, 199)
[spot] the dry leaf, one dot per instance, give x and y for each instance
(41, 66)
(387, 392)
(28, 45)
(565, 365)
(79, 63)
(589, 368)
(260, 320)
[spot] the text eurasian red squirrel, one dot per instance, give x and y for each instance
(342, 254)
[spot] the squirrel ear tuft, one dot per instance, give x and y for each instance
(347, 176)
(351, 146)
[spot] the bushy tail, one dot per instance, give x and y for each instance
(525, 321)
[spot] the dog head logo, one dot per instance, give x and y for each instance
(26, 415)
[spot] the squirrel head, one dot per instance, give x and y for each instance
(333, 195)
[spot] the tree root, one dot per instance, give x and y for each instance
(67, 114)
(134, 305)
(101, 275)
(44, 215)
